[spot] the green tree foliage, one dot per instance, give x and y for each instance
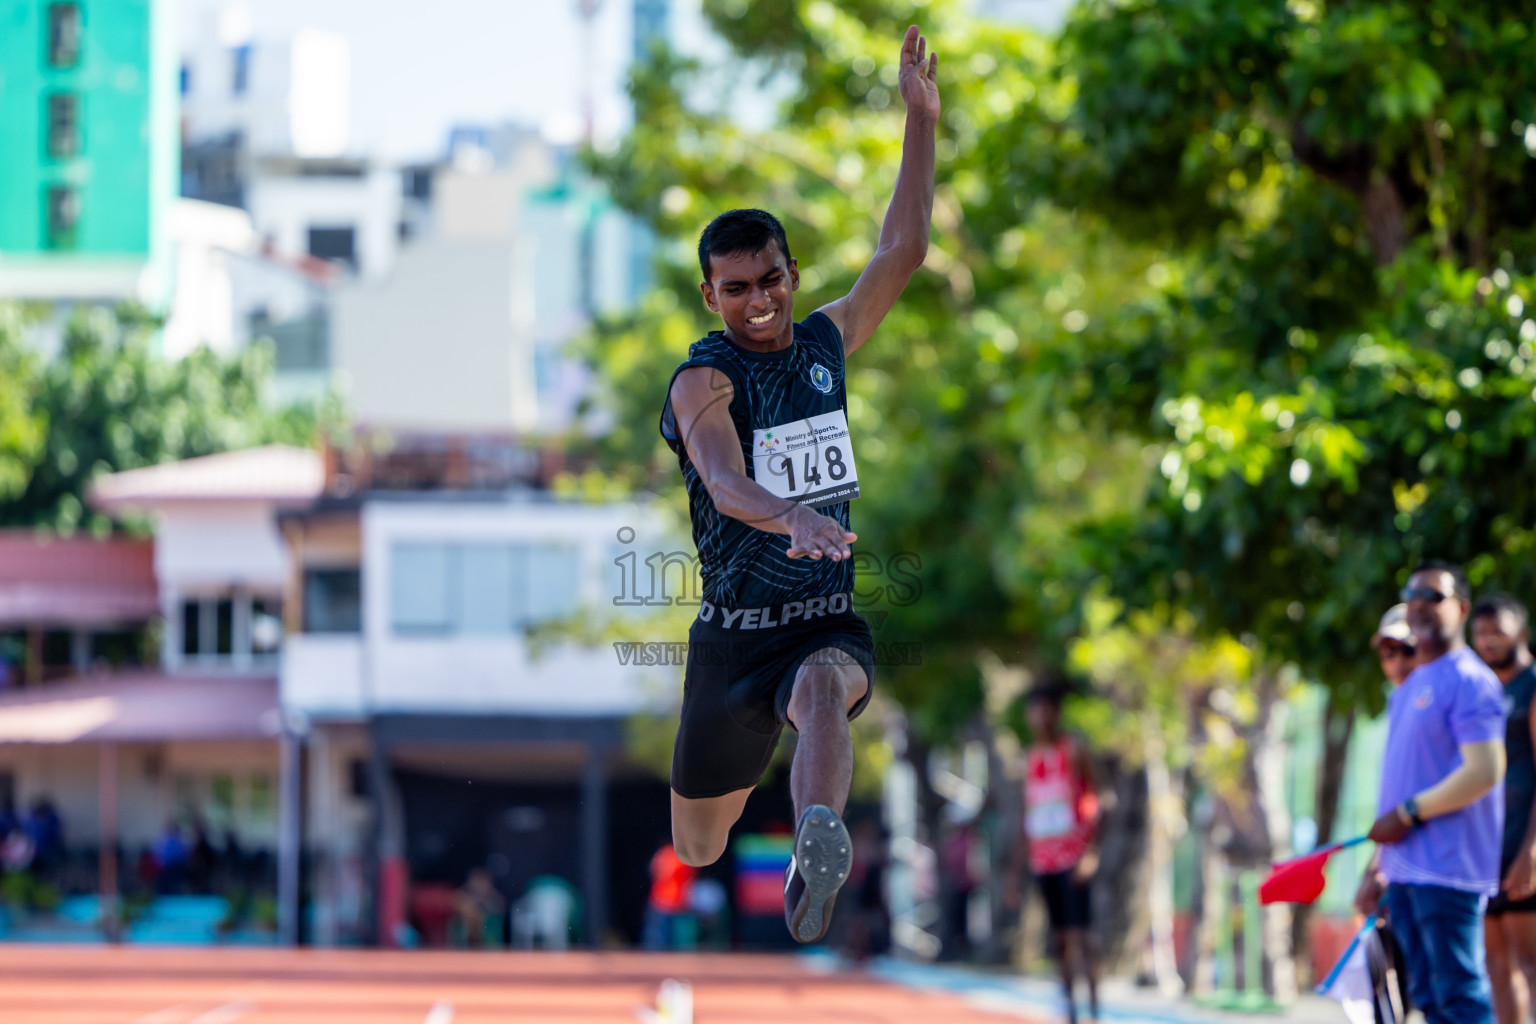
(1222, 309)
(21, 427)
(107, 403)
(1336, 366)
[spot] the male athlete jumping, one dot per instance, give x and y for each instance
(758, 418)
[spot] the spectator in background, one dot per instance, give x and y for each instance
(1059, 842)
(46, 828)
(667, 909)
(8, 817)
(203, 859)
(1501, 635)
(478, 902)
(710, 904)
(1442, 805)
(868, 932)
(16, 850)
(958, 856)
(1394, 645)
(171, 856)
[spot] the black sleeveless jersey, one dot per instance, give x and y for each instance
(740, 565)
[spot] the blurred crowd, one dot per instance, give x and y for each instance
(31, 841)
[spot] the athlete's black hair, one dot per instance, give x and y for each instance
(1494, 605)
(1051, 689)
(1463, 588)
(740, 231)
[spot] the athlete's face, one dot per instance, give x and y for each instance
(1495, 637)
(1044, 718)
(754, 293)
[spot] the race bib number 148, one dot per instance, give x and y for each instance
(808, 461)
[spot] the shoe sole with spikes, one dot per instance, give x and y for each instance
(823, 858)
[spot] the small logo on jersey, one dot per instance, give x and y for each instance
(821, 379)
(769, 442)
(1424, 698)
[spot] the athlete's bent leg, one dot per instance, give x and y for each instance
(1089, 945)
(700, 828)
(1063, 945)
(827, 688)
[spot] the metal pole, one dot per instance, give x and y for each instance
(594, 845)
(289, 835)
(106, 786)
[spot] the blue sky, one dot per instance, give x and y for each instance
(419, 68)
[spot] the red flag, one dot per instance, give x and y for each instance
(1300, 880)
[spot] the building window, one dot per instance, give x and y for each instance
(338, 244)
(553, 577)
(422, 580)
(63, 125)
(63, 35)
(480, 589)
(62, 216)
(191, 627)
(240, 68)
(333, 601)
(266, 626)
(224, 626)
(231, 626)
(416, 182)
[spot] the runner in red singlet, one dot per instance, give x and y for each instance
(1061, 821)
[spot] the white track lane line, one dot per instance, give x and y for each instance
(170, 1015)
(441, 1013)
(225, 1014)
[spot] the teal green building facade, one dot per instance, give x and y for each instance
(89, 146)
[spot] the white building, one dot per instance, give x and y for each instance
(283, 96)
(378, 685)
(511, 252)
(412, 657)
(230, 288)
(266, 127)
(195, 736)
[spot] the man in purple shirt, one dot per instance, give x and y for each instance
(1442, 805)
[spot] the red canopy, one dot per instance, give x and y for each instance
(76, 581)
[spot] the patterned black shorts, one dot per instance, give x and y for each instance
(737, 686)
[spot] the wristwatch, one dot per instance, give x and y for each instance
(1411, 808)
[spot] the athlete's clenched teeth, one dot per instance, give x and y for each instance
(758, 321)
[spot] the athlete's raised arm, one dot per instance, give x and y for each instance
(701, 403)
(904, 235)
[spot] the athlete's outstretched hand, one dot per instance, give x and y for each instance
(919, 91)
(813, 535)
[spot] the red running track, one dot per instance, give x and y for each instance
(96, 985)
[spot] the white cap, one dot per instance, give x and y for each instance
(1394, 626)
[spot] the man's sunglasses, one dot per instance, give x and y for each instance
(1427, 594)
(1387, 651)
